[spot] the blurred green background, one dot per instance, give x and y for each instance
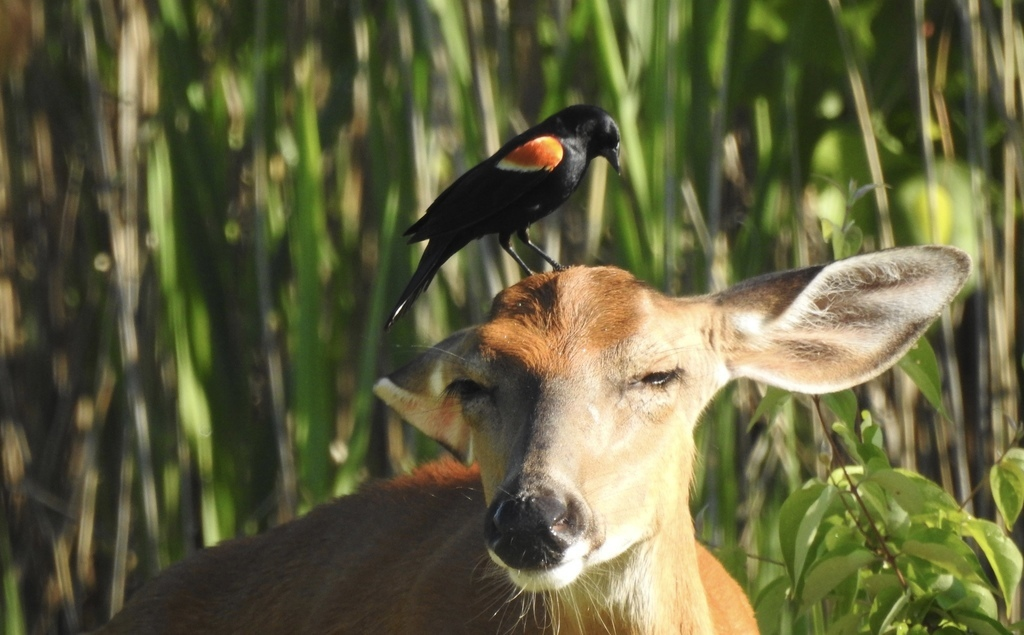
(201, 205)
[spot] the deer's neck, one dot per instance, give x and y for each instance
(679, 603)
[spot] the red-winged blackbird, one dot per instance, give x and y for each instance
(524, 181)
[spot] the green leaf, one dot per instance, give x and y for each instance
(980, 624)
(904, 490)
(832, 232)
(921, 366)
(1003, 555)
(1016, 456)
(872, 433)
(936, 499)
(861, 191)
(881, 583)
(1007, 481)
(894, 606)
(976, 598)
(872, 450)
(799, 522)
(847, 242)
(849, 439)
(944, 549)
(773, 399)
(845, 624)
(843, 404)
(842, 537)
(791, 514)
(928, 582)
(771, 604)
(828, 572)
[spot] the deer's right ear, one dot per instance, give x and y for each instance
(416, 392)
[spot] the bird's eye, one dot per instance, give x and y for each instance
(661, 379)
(464, 389)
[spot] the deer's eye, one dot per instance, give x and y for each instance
(465, 389)
(661, 379)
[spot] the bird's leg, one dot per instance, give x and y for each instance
(524, 235)
(505, 240)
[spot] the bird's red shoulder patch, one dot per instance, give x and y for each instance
(542, 153)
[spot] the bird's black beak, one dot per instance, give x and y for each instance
(613, 158)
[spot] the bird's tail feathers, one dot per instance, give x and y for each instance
(434, 256)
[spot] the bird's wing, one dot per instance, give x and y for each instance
(490, 187)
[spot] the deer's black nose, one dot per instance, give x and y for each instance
(530, 532)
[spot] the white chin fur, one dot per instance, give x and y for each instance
(576, 559)
(545, 580)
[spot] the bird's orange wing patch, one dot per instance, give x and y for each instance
(542, 153)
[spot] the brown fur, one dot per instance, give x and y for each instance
(403, 556)
(532, 323)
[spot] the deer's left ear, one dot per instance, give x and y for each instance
(417, 393)
(823, 329)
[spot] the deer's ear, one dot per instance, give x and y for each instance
(417, 393)
(827, 328)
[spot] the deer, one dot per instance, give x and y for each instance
(571, 411)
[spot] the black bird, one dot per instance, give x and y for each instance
(524, 181)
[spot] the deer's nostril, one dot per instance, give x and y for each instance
(532, 514)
